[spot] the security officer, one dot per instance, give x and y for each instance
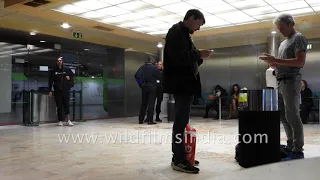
(146, 77)
(159, 94)
(61, 79)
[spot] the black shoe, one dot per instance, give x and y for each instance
(196, 162)
(151, 123)
(185, 167)
(140, 122)
(205, 117)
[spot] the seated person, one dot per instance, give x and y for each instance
(306, 102)
(233, 106)
(213, 103)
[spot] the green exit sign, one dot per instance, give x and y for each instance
(77, 35)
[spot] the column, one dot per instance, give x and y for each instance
(273, 44)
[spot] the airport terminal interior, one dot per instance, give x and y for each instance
(104, 43)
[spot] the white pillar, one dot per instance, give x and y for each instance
(273, 44)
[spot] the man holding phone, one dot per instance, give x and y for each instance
(180, 72)
(291, 59)
(60, 78)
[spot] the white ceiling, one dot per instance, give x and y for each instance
(155, 17)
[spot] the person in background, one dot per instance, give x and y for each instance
(291, 59)
(233, 106)
(147, 77)
(218, 92)
(306, 102)
(60, 78)
(180, 73)
(159, 94)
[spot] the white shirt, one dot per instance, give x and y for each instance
(271, 80)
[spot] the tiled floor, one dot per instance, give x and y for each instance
(120, 149)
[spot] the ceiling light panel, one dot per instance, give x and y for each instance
(113, 11)
(114, 20)
(164, 26)
(220, 9)
(173, 18)
(135, 5)
(247, 4)
(291, 5)
(213, 21)
(260, 10)
(92, 15)
(131, 25)
(236, 17)
(272, 2)
(178, 7)
(316, 8)
(114, 2)
(313, 2)
(150, 21)
(131, 16)
(71, 9)
(91, 4)
(161, 2)
(155, 12)
(266, 16)
(299, 12)
(205, 3)
(159, 32)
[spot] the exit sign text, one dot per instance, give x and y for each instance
(77, 35)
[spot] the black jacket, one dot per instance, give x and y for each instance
(148, 75)
(58, 80)
(181, 60)
(306, 97)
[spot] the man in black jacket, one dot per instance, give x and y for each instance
(61, 79)
(180, 78)
(147, 77)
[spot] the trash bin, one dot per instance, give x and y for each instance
(170, 108)
(39, 107)
(259, 128)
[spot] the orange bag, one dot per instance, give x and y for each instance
(190, 143)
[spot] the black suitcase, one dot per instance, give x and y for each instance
(264, 129)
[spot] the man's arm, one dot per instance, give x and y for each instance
(179, 50)
(300, 46)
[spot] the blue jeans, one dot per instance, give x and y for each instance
(289, 106)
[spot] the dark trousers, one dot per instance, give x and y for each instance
(304, 112)
(182, 114)
(159, 101)
(212, 105)
(62, 102)
(149, 94)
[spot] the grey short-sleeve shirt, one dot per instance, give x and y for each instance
(287, 50)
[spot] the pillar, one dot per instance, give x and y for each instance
(273, 44)
(160, 50)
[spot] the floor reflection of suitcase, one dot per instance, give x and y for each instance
(259, 138)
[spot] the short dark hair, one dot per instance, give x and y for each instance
(196, 14)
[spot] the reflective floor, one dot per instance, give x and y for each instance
(120, 149)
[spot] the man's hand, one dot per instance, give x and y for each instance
(50, 94)
(205, 53)
(68, 78)
(268, 58)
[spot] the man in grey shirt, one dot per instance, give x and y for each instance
(291, 58)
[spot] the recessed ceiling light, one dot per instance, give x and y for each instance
(65, 25)
(43, 41)
(159, 45)
(273, 32)
(86, 49)
(33, 33)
